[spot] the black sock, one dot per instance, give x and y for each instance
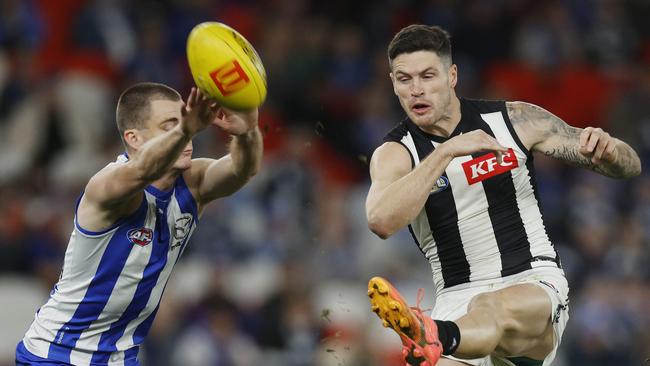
(449, 336)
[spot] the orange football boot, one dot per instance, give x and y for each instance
(418, 332)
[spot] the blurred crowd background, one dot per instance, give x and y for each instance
(277, 273)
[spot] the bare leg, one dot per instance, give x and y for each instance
(514, 321)
(448, 362)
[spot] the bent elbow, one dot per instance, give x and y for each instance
(638, 170)
(634, 171)
(380, 229)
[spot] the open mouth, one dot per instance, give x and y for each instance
(420, 107)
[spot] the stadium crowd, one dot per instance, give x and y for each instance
(278, 271)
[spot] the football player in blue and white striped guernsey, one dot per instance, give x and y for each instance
(133, 222)
(459, 173)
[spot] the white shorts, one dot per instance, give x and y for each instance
(451, 304)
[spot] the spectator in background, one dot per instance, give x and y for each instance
(213, 337)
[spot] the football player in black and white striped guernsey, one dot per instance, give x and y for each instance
(459, 173)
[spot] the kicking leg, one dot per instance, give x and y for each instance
(514, 321)
(448, 362)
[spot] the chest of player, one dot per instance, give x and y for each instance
(165, 225)
(475, 183)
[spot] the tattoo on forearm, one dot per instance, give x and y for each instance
(624, 166)
(565, 141)
(573, 157)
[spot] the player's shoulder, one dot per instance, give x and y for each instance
(194, 174)
(521, 111)
(483, 105)
(398, 132)
(391, 158)
(107, 170)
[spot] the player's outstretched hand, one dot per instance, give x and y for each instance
(236, 122)
(198, 112)
(598, 145)
(473, 142)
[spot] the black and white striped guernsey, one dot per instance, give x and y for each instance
(482, 220)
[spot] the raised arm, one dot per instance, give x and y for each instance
(398, 193)
(113, 192)
(155, 157)
(590, 148)
(222, 177)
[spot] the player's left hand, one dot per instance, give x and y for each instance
(235, 122)
(598, 145)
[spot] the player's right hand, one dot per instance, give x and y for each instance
(198, 112)
(473, 142)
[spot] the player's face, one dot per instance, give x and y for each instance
(165, 115)
(424, 84)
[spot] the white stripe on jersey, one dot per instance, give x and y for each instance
(540, 245)
(410, 144)
(473, 220)
(421, 223)
(121, 296)
(82, 261)
(126, 341)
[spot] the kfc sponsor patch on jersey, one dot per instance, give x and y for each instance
(486, 166)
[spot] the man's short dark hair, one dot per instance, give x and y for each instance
(419, 37)
(134, 105)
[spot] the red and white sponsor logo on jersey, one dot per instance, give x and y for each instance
(486, 166)
(141, 236)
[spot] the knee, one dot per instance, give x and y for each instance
(486, 302)
(498, 309)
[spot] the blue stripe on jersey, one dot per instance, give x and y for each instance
(131, 357)
(100, 288)
(187, 204)
(143, 329)
(185, 199)
(163, 195)
(157, 262)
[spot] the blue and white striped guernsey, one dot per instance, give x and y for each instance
(103, 305)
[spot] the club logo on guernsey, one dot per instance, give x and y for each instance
(441, 184)
(181, 230)
(486, 166)
(141, 236)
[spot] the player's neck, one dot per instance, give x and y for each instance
(167, 181)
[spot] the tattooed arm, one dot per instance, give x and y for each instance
(590, 148)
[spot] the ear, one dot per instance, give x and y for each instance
(133, 138)
(453, 75)
(392, 79)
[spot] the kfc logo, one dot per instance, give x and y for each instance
(486, 166)
(230, 77)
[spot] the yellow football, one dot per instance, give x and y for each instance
(225, 66)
